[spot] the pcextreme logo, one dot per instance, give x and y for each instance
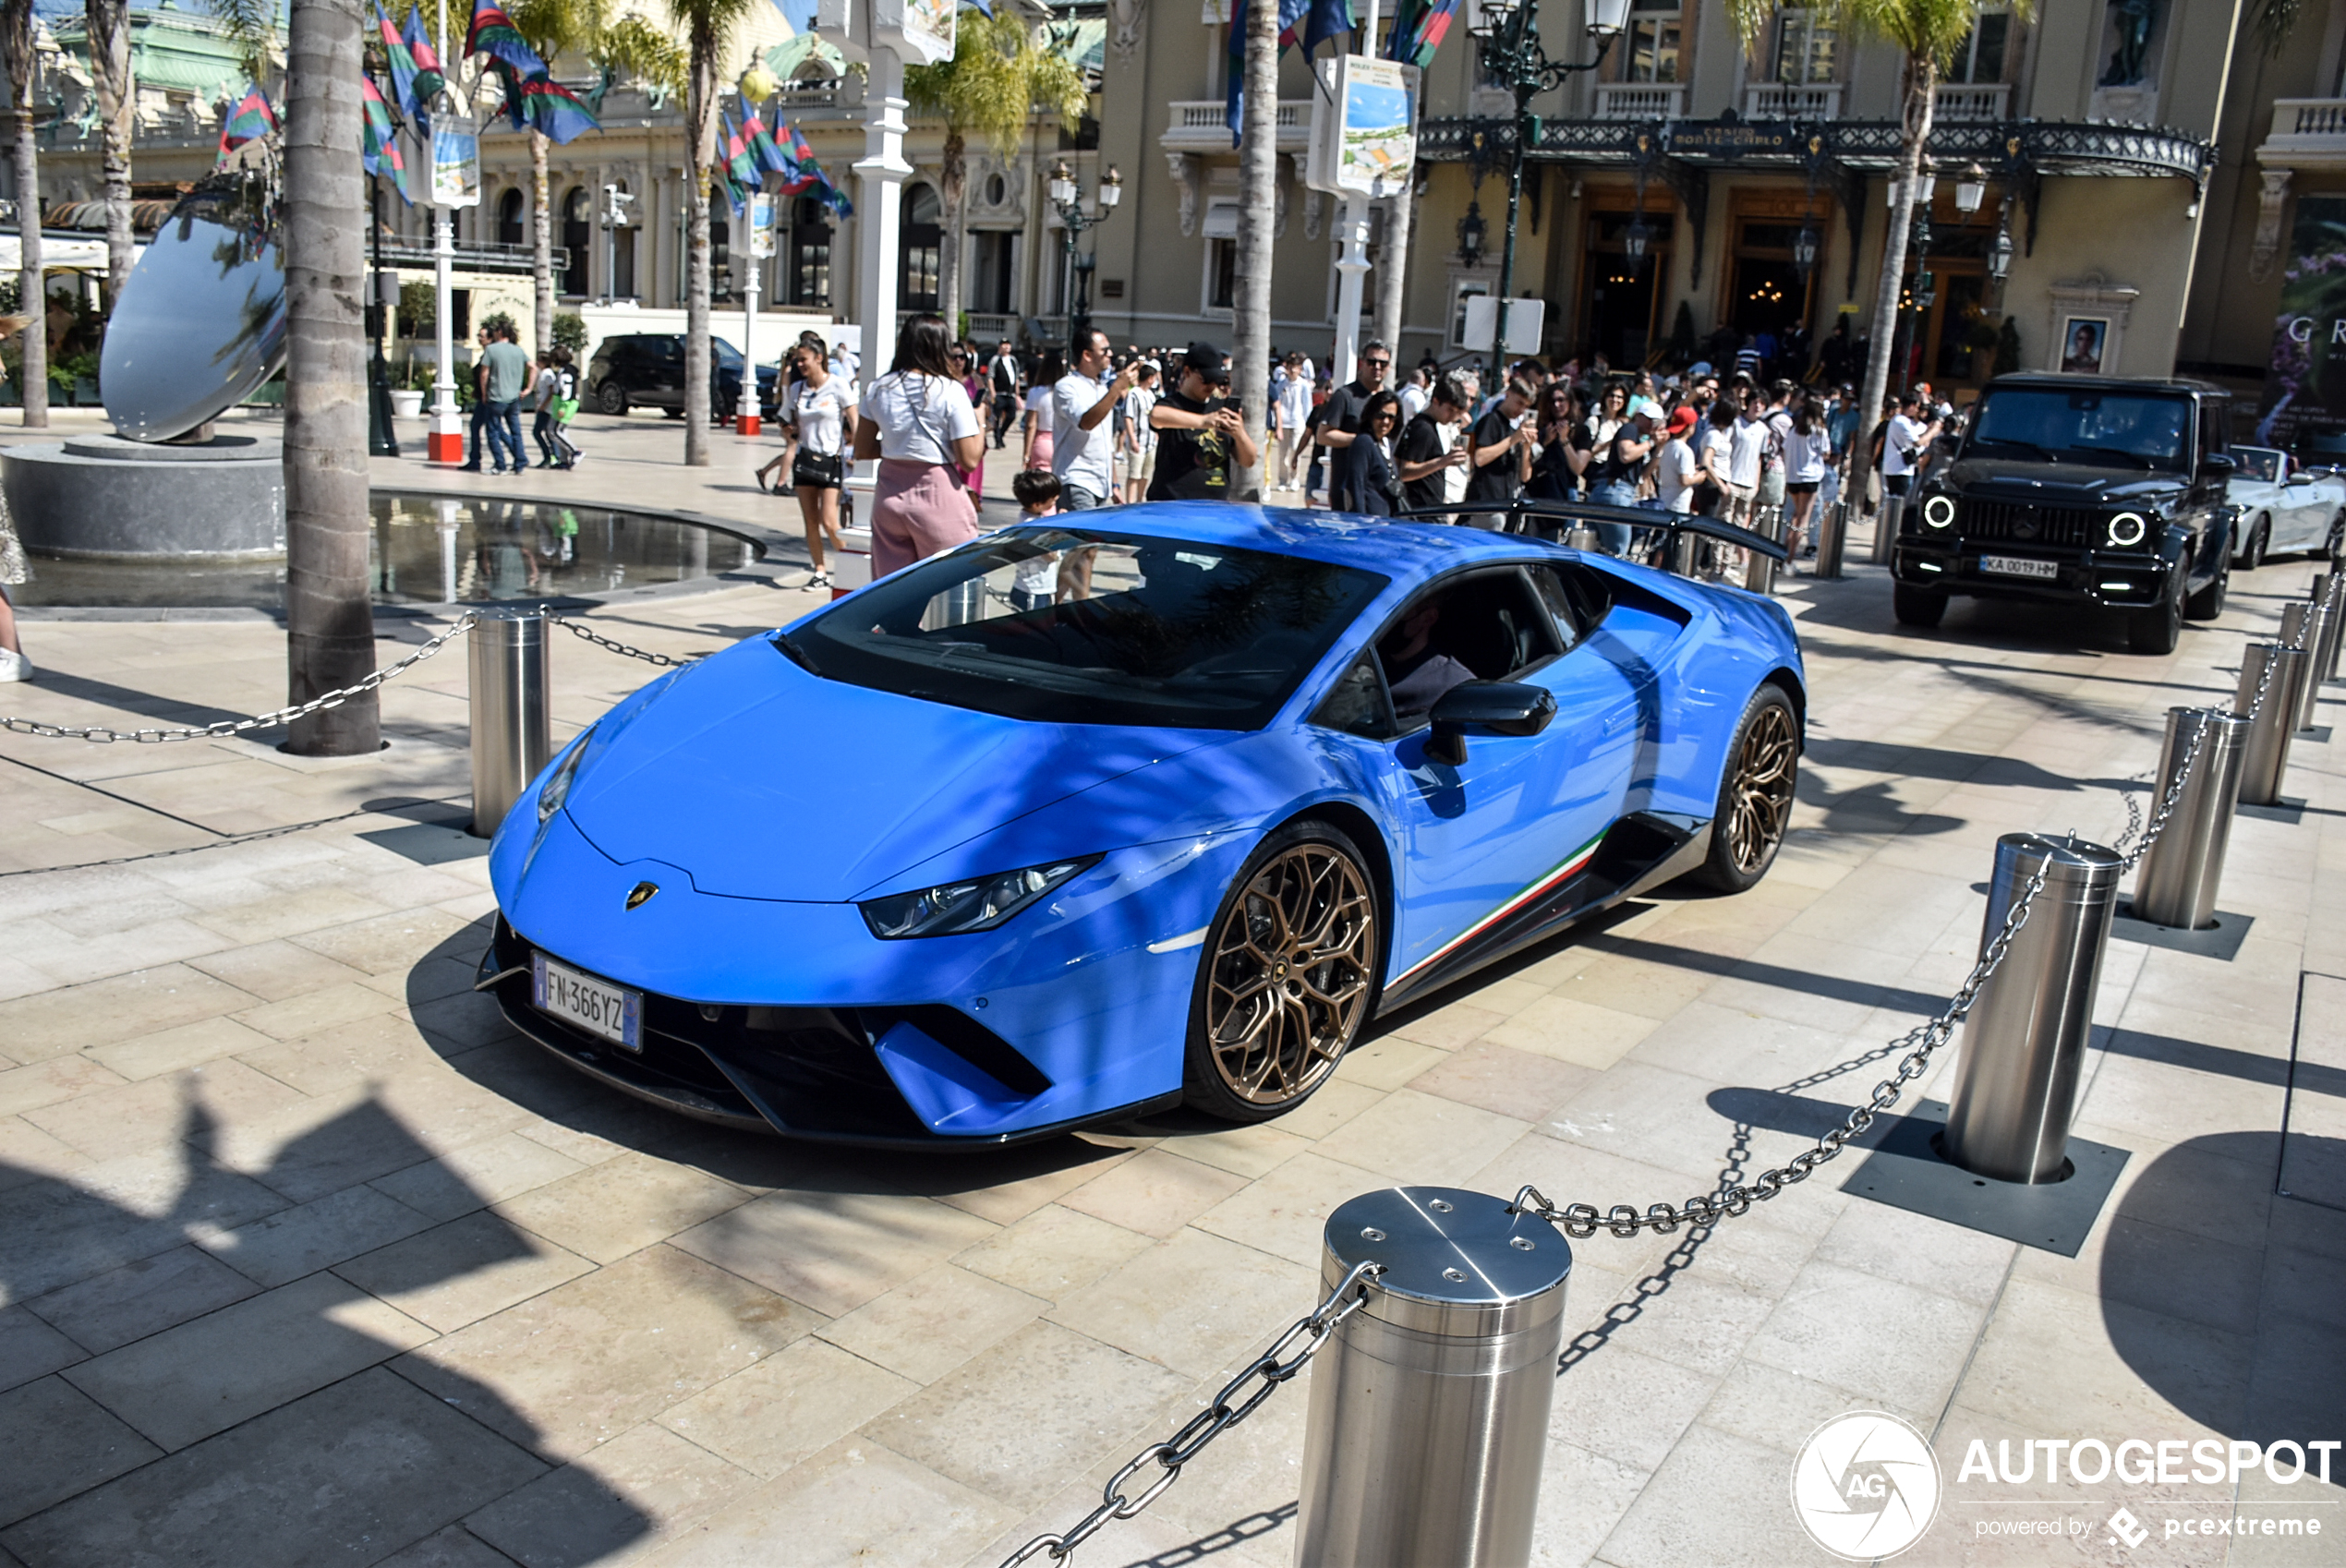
(1866, 1486)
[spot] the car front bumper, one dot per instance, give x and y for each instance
(2120, 580)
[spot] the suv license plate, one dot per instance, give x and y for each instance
(2018, 566)
(596, 1005)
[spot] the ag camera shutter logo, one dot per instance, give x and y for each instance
(1866, 1486)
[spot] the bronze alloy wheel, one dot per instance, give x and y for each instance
(1287, 985)
(1759, 791)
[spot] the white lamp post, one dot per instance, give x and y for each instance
(444, 437)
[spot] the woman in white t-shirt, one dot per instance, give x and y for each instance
(1807, 448)
(922, 428)
(821, 412)
(1038, 411)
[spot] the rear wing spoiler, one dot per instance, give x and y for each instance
(1521, 511)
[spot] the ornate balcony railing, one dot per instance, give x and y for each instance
(1640, 100)
(1964, 103)
(1198, 125)
(2306, 130)
(1778, 101)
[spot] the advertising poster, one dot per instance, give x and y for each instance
(2304, 407)
(1364, 139)
(761, 224)
(456, 167)
(927, 30)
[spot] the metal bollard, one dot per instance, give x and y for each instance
(513, 735)
(2023, 1046)
(2306, 624)
(1759, 571)
(1582, 536)
(2181, 870)
(2269, 732)
(1885, 527)
(1429, 1420)
(2330, 590)
(1685, 553)
(1833, 536)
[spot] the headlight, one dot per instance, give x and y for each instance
(1939, 512)
(979, 904)
(557, 786)
(2126, 530)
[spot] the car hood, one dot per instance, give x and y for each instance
(2057, 483)
(763, 781)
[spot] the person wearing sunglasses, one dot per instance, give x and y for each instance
(1340, 418)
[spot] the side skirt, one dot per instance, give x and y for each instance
(1640, 851)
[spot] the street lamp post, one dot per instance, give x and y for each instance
(1074, 220)
(1512, 57)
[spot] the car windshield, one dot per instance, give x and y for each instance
(727, 354)
(1083, 626)
(2121, 429)
(2259, 463)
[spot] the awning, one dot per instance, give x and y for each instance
(56, 255)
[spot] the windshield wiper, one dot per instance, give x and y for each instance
(2138, 459)
(793, 653)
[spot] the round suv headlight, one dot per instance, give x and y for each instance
(1939, 512)
(2126, 529)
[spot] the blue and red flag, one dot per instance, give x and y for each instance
(770, 157)
(378, 141)
(492, 33)
(431, 79)
(547, 106)
(1418, 28)
(1320, 20)
(249, 119)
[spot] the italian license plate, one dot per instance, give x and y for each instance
(596, 1005)
(2018, 566)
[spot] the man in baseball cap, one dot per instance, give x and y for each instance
(1201, 437)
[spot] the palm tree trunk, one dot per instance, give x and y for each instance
(1922, 74)
(16, 45)
(1258, 203)
(541, 261)
(109, 23)
(954, 180)
(329, 622)
(1393, 272)
(701, 150)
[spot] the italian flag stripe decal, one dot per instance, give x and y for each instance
(1573, 863)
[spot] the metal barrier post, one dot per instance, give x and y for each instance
(2269, 732)
(1832, 537)
(1429, 1420)
(511, 720)
(2183, 868)
(1885, 527)
(1685, 551)
(2024, 1043)
(1759, 571)
(2306, 624)
(2329, 589)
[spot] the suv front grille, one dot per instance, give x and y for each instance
(2074, 528)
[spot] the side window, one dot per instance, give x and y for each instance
(1490, 626)
(2211, 429)
(1575, 597)
(1357, 704)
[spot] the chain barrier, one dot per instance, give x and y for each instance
(104, 735)
(1212, 1421)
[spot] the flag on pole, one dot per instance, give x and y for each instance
(249, 119)
(770, 157)
(378, 142)
(431, 80)
(492, 33)
(1418, 28)
(1291, 12)
(550, 108)
(809, 176)
(404, 76)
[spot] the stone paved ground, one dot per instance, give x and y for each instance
(305, 1257)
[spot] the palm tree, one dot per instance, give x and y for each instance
(1258, 200)
(1929, 31)
(708, 26)
(991, 88)
(15, 51)
(108, 22)
(328, 621)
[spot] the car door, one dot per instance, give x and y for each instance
(2303, 501)
(664, 366)
(1481, 842)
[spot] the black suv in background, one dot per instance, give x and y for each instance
(646, 370)
(2078, 491)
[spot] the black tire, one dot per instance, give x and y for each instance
(1322, 979)
(2209, 603)
(2260, 538)
(674, 413)
(611, 398)
(1917, 607)
(2156, 630)
(1755, 789)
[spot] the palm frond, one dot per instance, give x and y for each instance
(2273, 23)
(997, 77)
(634, 47)
(251, 25)
(555, 28)
(1935, 29)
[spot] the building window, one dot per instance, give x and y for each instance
(1222, 275)
(920, 249)
(810, 252)
(1980, 57)
(1652, 52)
(1807, 46)
(578, 237)
(509, 218)
(993, 254)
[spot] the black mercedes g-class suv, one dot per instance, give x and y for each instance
(2077, 491)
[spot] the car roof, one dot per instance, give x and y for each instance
(2108, 383)
(1401, 549)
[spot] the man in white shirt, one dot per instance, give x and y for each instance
(1746, 445)
(1676, 473)
(1415, 394)
(1291, 395)
(1084, 449)
(1901, 446)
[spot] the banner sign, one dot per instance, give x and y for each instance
(1364, 127)
(456, 167)
(2304, 407)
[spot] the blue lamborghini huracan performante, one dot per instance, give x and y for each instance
(1124, 809)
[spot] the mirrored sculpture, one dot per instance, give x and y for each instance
(200, 322)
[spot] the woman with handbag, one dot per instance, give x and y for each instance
(919, 423)
(822, 409)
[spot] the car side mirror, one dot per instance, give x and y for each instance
(2217, 466)
(1494, 707)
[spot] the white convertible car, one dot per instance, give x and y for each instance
(2282, 507)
